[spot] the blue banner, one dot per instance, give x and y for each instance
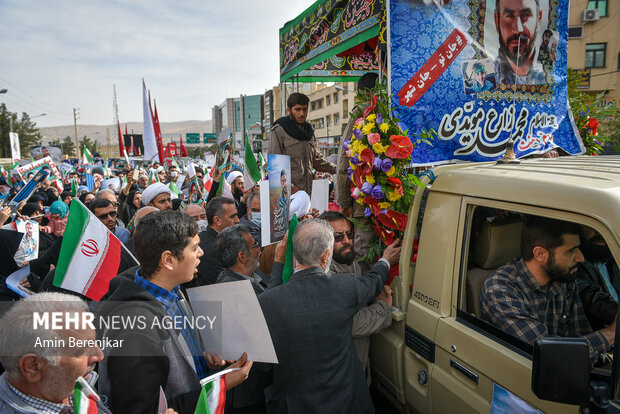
(480, 73)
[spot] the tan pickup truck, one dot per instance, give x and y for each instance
(439, 356)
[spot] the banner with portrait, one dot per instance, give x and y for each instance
(484, 74)
(275, 198)
(26, 172)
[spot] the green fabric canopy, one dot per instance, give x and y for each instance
(310, 43)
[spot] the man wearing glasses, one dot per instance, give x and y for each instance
(371, 318)
(105, 211)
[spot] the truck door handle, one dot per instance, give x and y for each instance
(464, 370)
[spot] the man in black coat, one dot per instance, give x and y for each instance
(239, 252)
(310, 320)
(221, 213)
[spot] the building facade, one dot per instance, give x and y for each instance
(594, 46)
(329, 112)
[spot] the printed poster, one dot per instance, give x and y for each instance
(26, 172)
(277, 198)
(223, 157)
(480, 72)
(29, 246)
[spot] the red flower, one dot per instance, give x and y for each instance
(593, 125)
(371, 107)
(394, 271)
(366, 157)
(357, 178)
(401, 147)
(393, 219)
(395, 184)
(386, 236)
(373, 203)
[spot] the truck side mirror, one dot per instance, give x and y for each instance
(561, 370)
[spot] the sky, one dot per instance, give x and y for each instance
(64, 54)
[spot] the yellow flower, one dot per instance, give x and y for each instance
(353, 167)
(367, 129)
(384, 127)
(355, 146)
(378, 148)
(360, 200)
(385, 204)
(391, 172)
(371, 118)
(371, 179)
(363, 147)
(393, 196)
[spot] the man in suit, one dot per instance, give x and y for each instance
(310, 320)
(221, 214)
(375, 316)
(239, 253)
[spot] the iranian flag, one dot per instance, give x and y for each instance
(251, 172)
(84, 398)
(89, 256)
(213, 394)
(87, 156)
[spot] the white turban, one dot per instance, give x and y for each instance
(300, 204)
(153, 191)
(233, 176)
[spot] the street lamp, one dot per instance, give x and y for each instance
(3, 91)
(36, 116)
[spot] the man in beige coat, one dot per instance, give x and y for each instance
(372, 318)
(291, 135)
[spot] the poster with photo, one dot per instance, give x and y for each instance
(223, 157)
(484, 74)
(26, 172)
(277, 198)
(29, 246)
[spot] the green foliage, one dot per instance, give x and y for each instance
(91, 144)
(26, 129)
(68, 146)
(585, 107)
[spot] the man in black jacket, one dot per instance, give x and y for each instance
(153, 355)
(221, 213)
(239, 252)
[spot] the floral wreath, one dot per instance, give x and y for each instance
(379, 153)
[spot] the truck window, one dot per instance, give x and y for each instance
(494, 239)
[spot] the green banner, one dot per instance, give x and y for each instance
(209, 138)
(310, 43)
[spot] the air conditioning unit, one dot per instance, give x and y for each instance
(591, 15)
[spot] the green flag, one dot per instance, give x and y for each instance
(74, 187)
(251, 173)
(173, 188)
(287, 272)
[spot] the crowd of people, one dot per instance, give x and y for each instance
(320, 320)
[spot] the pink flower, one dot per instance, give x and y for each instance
(359, 121)
(374, 138)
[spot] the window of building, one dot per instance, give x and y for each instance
(328, 100)
(595, 55)
(335, 97)
(319, 103)
(313, 106)
(336, 119)
(601, 5)
(345, 108)
(575, 32)
(320, 123)
(329, 121)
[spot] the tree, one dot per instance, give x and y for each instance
(596, 123)
(68, 147)
(92, 145)
(24, 127)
